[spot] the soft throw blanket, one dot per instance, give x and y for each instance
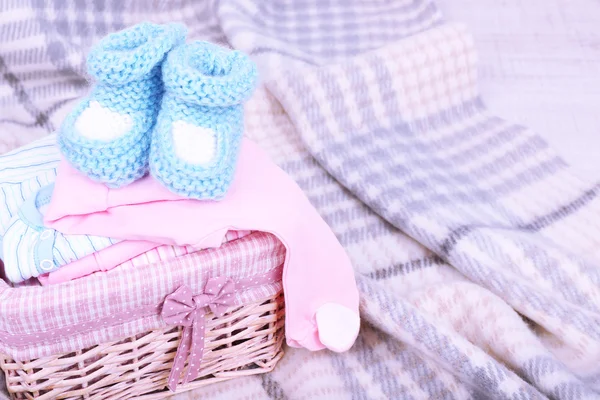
(475, 247)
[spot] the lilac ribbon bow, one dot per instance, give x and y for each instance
(181, 308)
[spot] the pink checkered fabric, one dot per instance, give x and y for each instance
(31, 316)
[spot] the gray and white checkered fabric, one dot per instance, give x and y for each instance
(44, 46)
(475, 248)
(403, 128)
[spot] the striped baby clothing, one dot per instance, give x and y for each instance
(28, 249)
(22, 173)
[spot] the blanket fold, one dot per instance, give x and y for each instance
(403, 128)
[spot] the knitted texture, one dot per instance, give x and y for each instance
(205, 88)
(126, 66)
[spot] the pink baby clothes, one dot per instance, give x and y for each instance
(103, 260)
(125, 253)
(317, 271)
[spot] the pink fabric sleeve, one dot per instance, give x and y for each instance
(127, 253)
(102, 260)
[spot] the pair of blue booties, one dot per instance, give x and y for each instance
(161, 106)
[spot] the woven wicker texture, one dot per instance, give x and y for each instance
(247, 340)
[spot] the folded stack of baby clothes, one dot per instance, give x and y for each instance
(153, 165)
(157, 104)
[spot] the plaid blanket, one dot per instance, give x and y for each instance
(475, 247)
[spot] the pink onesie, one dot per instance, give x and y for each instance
(126, 253)
(103, 260)
(320, 291)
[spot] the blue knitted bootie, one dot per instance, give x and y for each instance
(197, 137)
(107, 136)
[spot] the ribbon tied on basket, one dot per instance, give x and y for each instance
(182, 308)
